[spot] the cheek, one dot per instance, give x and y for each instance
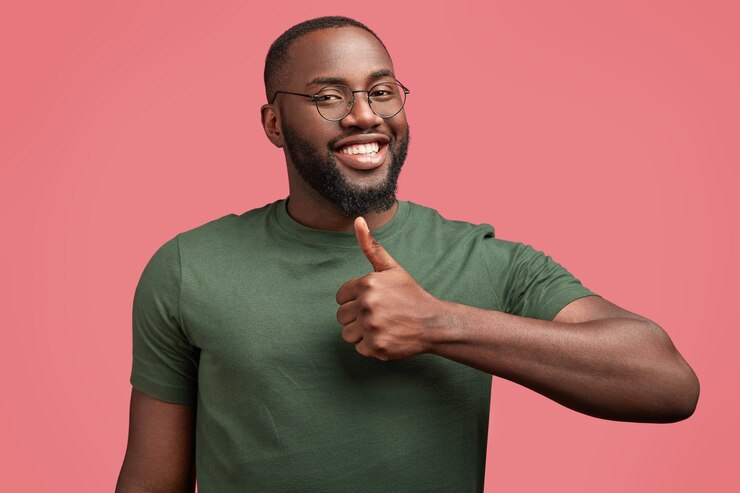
(316, 130)
(297, 118)
(399, 125)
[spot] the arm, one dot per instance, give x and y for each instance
(593, 357)
(160, 452)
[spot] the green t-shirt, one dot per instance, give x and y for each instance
(238, 316)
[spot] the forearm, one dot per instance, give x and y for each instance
(614, 368)
(130, 484)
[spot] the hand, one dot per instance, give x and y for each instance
(385, 314)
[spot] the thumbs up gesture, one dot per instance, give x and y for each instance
(385, 313)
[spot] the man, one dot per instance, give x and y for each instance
(311, 374)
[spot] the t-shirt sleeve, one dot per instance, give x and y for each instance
(529, 283)
(165, 363)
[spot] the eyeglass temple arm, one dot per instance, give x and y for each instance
(312, 96)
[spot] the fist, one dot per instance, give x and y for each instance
(385, 313)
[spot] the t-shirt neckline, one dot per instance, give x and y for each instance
(336, 238)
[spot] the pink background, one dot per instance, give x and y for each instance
(605, 135)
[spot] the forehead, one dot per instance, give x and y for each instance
(349, 53)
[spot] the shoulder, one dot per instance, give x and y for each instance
(225, 232)
(427, 217)
(218, 237)
(437, 225)
(225, 225)
(435, 229)
(502, 257)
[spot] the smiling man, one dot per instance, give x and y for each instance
(346, 162)
(268, 356)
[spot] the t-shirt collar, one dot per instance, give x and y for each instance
(336, 238)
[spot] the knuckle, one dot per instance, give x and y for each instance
(368, 282)
(372, 299)
(366, 305)
(371, 344)
(347, 335)
(376, 247)
(380, 350)
(372, 324)
(377, 345)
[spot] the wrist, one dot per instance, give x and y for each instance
(444, 327)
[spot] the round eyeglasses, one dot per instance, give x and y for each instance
(334, 102)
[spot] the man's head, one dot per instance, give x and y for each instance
(353, 162)
(277, 61)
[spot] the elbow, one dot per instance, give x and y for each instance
(676, 386)
(681, 391)
(686, 394)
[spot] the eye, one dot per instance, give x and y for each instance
(330, 95)
(383, 91)
(327, 97)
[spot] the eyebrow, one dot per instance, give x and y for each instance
(338, 80)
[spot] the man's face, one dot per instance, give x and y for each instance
(336, 158)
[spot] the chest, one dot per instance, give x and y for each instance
(269, 321)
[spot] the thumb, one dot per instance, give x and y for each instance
(374, 251)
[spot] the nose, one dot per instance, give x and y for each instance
(361, 115)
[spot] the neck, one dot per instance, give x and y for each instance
(329, 218)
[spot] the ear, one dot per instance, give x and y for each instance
(271, 124)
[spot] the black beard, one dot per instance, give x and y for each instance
(323, 175)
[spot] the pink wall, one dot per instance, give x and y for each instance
(605, 135)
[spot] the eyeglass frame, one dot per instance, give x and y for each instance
(314, 97)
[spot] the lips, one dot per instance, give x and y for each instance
(361, 160)
(362, 139)
(362, 152)
(369, 148)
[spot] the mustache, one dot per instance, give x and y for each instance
(334, 141)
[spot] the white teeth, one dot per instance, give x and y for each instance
(369, 148)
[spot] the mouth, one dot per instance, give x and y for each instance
(363, 156)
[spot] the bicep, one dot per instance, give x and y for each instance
(592, 308)
(160, 455)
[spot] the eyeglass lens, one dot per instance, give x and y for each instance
(335, 102)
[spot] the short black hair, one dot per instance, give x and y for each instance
(277, 55)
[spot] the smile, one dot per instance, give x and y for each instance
(362, 157)
(371, 148)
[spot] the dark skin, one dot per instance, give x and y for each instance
(352, 56)
(160, 455)
(593, 357)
